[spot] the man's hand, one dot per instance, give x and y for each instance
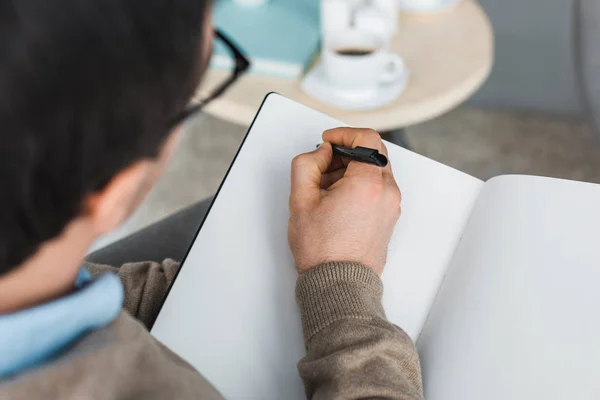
(342, 211)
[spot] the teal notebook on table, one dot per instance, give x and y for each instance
(280, 38)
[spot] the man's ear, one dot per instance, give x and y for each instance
(108, 208)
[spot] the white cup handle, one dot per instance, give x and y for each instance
(393, 69)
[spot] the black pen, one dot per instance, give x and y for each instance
(361, 154)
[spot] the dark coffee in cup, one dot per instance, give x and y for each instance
(354, 52)
(359, 60)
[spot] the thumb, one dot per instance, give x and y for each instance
(307, 170)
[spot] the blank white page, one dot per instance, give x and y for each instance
(517, 316)
(232, 312)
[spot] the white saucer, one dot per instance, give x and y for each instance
(316, 85)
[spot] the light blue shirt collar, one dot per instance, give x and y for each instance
(33, 336)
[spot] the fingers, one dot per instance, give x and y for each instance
(354, 137)
(337, 163)
(307, 171)
(332, 177)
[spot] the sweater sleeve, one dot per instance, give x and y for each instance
(145, 285)
(352, 350)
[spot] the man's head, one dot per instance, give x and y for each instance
(87, 88)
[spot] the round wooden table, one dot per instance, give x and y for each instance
(449, 54)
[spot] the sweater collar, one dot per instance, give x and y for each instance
(30, 337)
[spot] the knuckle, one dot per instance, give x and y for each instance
(369, 137)
(371, 133)
(300, 160)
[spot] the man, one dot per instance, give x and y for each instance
(90, 91)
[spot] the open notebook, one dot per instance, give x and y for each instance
(498, 282)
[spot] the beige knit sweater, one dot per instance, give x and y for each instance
(352, 351)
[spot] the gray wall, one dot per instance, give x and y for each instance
(533, 67)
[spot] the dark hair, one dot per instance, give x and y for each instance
(87, 87)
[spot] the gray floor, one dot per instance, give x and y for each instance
(487, 143)
(483, 143)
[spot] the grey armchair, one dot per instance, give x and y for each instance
(587, 58)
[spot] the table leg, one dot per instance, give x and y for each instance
(396, 136)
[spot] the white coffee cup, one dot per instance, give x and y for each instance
(357, 60)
